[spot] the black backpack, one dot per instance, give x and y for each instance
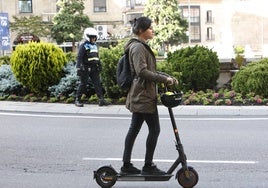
(124, 77)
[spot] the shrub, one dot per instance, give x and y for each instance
(70, 100)
(109, 58)
(4, 60)
(12, 97)
(164, 66)
(9, 85)
(199, 67)
(71, 57)
(53, 100)
(67, 84)
(252, 78)
(38, 65)
(44, 99)
(93, 99)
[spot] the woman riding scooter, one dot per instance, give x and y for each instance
(142, 97)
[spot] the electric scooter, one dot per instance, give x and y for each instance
(187, 177)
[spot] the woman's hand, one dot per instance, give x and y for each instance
(172, 80)
(175, 81)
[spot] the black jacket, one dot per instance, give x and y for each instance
(87, 55)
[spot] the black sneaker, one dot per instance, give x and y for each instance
(130, 170)
(78, 103)
(152, 170)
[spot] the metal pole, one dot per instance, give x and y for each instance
(2, 51)
(262, 35)
(189, 22)
(2, 10)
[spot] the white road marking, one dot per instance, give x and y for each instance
(171, 161)
(118, 117)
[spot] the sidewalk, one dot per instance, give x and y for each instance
(89, 109)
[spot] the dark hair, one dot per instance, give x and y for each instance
(140, 24)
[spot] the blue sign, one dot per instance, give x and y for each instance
(4, 32)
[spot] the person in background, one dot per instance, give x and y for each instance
(89, 65)
(142, 97)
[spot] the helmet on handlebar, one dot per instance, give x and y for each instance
(171, 99)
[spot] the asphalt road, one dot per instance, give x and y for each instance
(61, 151)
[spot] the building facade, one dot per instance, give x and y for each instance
(225, 24)
(217, 24)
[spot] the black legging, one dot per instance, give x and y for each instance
(95, 78)
(152, 121)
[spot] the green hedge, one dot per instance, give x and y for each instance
(109, 58)
(197, 67)
(252, 78)
(38, 65)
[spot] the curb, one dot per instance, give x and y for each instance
(90, 109)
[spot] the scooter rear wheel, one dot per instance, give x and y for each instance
(106, 177)
(187, 178)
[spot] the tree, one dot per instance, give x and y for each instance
(29, 25)
(69, 22)
(169, 27)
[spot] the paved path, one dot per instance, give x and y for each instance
(89, 109)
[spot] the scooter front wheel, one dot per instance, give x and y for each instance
(106, 176)
(187, 178)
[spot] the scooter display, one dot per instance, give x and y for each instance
(187, 177)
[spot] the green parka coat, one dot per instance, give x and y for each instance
(142, 96)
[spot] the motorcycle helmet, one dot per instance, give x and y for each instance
(171, 99)
(90, 32)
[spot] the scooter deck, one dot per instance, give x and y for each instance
(141, 177)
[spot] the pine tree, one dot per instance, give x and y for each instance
(70, 22)
(169, 27)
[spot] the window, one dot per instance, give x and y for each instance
(209, 16)
(140, 2)
(25, 6)
(195, 14)
(195, 33)
(192, 14)
(133, 3)
(210, 34)
(100, 6)
(131, 16)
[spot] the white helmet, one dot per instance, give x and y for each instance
(90, 32)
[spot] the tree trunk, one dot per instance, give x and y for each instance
(73, 46)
